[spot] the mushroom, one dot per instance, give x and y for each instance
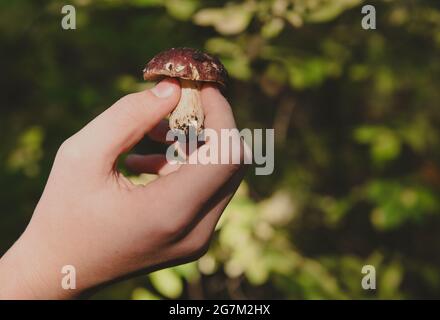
(192, 67)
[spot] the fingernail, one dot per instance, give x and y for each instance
(163, 89)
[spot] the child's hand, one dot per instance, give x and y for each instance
(93, 218)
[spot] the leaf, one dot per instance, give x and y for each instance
(329, 10)
(167, 283)
(233, 57)
(238, 67)
(397, 203)
(390, 280)
(365, 134)
(257, 273)
(143, 294)
(385, 144)
(224, 47)
(294, 19)
(147, 3)
(28, 152)
(307, 73)
(207, 264)
(188, 271)
(181, 9)
(272, 28)
(229, 20)
(386, 147)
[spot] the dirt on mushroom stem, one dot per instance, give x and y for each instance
(189, 112)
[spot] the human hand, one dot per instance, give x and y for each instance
(92, 217)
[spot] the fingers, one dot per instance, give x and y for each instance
(122, 125)
(195, 241)
(152, 163)
(218, 113)
(192, 185)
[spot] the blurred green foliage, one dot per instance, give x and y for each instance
(356, 120)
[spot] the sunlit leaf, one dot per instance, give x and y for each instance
(398, 203)
(231, 19)
(272, 28)
(329, 10)
(188, 271)
(143, 294)
(146, 3)
(385, 144)
(167, 283)
(294, 19)
(181, 9)
(28, 152)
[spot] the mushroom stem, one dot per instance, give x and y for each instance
(189, 112)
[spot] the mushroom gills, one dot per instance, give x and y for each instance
(189, 112)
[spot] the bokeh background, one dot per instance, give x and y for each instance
(356, 115)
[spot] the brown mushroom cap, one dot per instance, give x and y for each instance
(186, 63)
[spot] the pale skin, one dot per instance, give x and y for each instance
(92, 217)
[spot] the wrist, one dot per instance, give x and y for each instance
(27, 274)
(16, 281)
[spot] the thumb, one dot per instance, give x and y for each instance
(122, 125)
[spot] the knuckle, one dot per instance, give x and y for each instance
(69, 151)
